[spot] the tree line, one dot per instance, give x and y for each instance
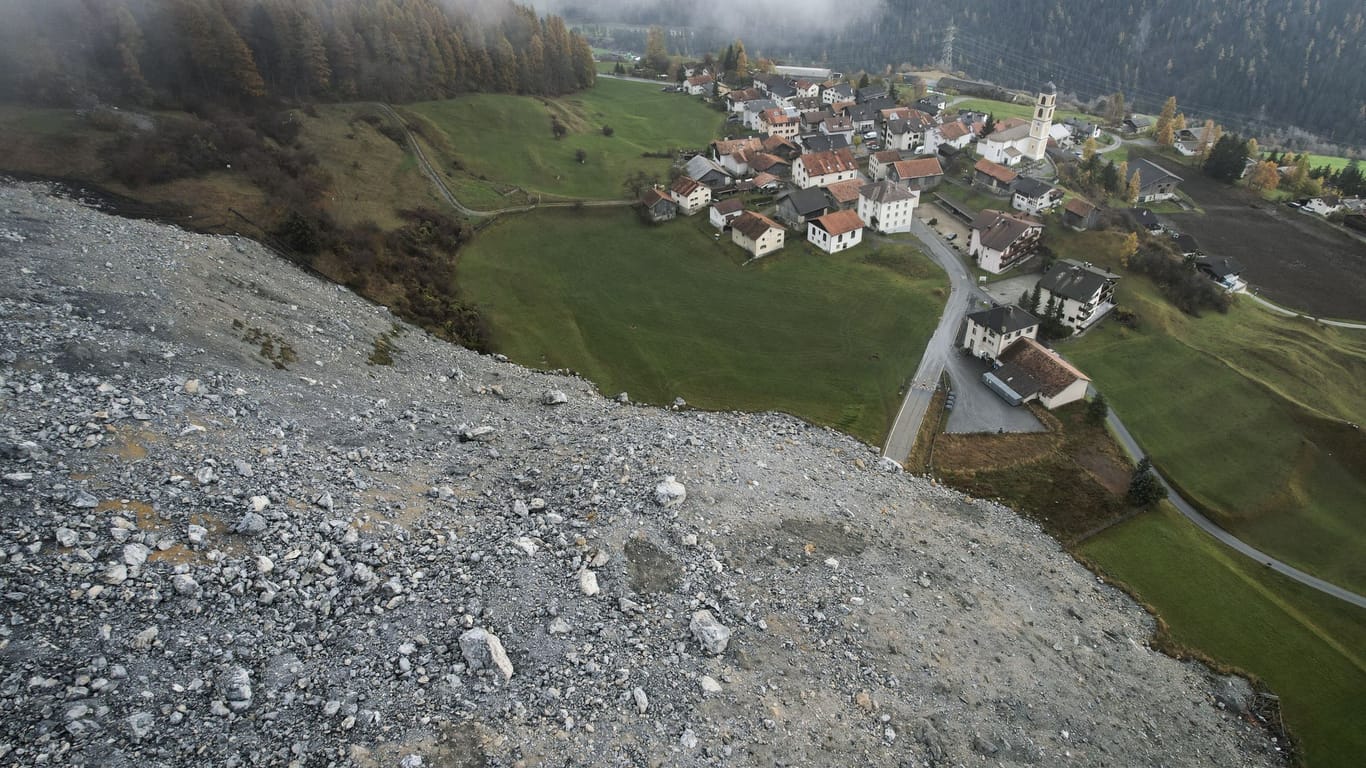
(179, 53)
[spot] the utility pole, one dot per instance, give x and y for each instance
(947, 63)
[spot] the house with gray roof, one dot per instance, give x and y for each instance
(1154, 182)
(1085, 292)
(990, 331)
(799, 206)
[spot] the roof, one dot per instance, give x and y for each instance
(654, 197)
(1074, 281)
(730, 146)
(1186, 243)
(1079, 207)
(1033, 188)
(836, 124)
(819, 142)
(886, 156)
(822, 163)
(1016, 380)
(998, 231)
(1003, 320)
(773, 143)
(753, 225)
(1139, 121)
(1150, 172)
(1220, 266)
(1013, 133)
(1145, 218)
(748, 94)
(700, 166)
(701, 80)
(886, 192)
(685, 186)
(727, 207)
(843, 89)
(839, 222)
(845, 192)
(763, 161)
(954, 130)
(995, 171)
(1042, 365)
(808, 201)
(764, 179)
(919, 168)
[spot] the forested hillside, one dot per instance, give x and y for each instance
(174, 53)
(1253, 65)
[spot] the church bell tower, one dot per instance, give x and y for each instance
(1041, 122)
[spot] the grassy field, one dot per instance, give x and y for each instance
(508, 138)
(1317, 161)
(1307, 646)
(668, 311)
(1251, 422)
(1002, 109)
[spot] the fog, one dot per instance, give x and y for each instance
(748, 18)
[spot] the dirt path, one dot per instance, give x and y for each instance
(431, 173)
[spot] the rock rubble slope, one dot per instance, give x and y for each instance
(228, 540)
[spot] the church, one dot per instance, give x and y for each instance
(1015, 140)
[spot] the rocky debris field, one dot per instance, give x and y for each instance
(230, 540)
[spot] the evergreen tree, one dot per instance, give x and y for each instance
(863, 81)
(1144, 488)
(1109, 177)
(1227, 159)
(1097, 409)
(1034, 298)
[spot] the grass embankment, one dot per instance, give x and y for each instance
(1245, 412)
(1305, 645)
(508, 138)
(668, 311)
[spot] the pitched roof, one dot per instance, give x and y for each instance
(1003, 320)
(1079, 207)
(996, 171)
(1186, 243)
(1033, 188)
(733, 205)
(654, 197)
(684, 186)
(1041, 364)
(701, 80)
(763, 161)
(839, 222)
(1074, 281)
(886, 192)
(730, 146)
(886, 156)
(998, 230)
(1222, 266)
(808, 201)
(954, 130)
(772, 143)
(764, 179)
(748, 94)
(1145, 218)
(700, 166)
(753, 225)
(919, 168)
(1150, 172)
(845, 191)
(821, 163)
(836, 124)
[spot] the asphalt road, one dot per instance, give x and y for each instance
(901, 437)
(1228, 539)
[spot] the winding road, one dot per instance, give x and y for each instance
(901, 437)
(1208, 526)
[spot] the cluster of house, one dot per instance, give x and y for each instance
(1023, 370)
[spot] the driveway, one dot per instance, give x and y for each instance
(978, 409)
(1008, 290)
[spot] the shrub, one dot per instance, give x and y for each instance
(607, 131)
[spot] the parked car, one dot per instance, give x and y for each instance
(951, 236)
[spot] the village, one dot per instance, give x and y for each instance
(835, 165)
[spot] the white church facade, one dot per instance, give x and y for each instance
(1022, 142)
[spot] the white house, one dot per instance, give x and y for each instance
(880, 162)
(723, 212)
(1029, 371)
(990, 331)
(838, 126)
(1034, 197)
(835, 232)
(757, 233)
(821, 169)
(1085, 292)
(1000, 240)
(778, 122)
(1005, 145)
(952, 134)
(700, 85)
(690, 194)
(887, 207)
(1322, 205)
(1154, 182)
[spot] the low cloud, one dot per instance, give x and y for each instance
(748, 18)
